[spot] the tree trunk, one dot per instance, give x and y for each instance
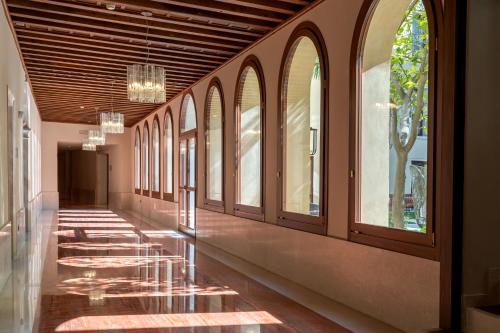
(398, 197)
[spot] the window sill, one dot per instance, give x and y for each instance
(417, 250)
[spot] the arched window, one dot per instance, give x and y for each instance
(168, 147)
(214, 147)
(249, 140)
(137, 161)
(393, 158)
(145, 160)
(155, 179)
(188, 114)
(303, 115)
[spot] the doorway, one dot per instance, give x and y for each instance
(187, 183)
(83, 177)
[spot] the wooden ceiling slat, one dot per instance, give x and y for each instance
(220, 7)
(74, 23)
(80, 77)
(117, 44)
(76, 51)
(75, 10)
(130, 49)
(90, 53)
(172, 10)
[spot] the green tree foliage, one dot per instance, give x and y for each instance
(409, 79)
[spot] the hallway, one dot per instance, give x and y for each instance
(108, 272)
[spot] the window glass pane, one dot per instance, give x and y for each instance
(182, 207)
(146, 158)
(156, 157)
(249, 139)
(394, 115)
(188, 114)
(169, 154)
(137, 161)
(302, 129)
(191, 209)
(183, 163)
(192, 162)
(214, 145)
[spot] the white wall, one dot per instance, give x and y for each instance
(120, 177)
(359, 276)
(12, 77)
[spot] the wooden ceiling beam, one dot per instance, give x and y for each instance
(47, 38)
(20, 17)
(116, 57)
(140, 45)
(179, 28)
(275, 5)
(90, 22)
(220, 7)
(188, 13)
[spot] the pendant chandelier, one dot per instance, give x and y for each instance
(96, 137)
(146, 82)
(87, 146)
(112, 122)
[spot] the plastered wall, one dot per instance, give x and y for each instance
(481, 246)
(12, 78)
(359, 276)
(120, 177)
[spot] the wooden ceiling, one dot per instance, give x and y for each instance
(76, 51)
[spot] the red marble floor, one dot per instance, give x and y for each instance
(111, 272)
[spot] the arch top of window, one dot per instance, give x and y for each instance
(188, 114)
(383, 20)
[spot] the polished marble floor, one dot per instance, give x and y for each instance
(109, 271)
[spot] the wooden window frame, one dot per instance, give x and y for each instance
(250, 212)
(156, 194)
(192, 133)
(138, 131)
(214, 205)
(408, 242)
(308, 223)
(146, 192)
(166, 195)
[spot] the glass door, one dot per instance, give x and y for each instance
(187, 184)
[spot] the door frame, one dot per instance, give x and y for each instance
(186, 136)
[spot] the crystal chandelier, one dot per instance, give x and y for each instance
(146, 82)
(97, 137)
(87, 146)
(112, 122)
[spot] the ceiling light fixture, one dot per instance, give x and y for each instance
(112, 122)
(146, 82)
(96, 136)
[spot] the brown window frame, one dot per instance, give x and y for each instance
(156, 194)
(146, 192)
(408, 242)
(250, 212)
(215, 205)
(189, 134)
(138, 131)
(166, 195)
(308, 223)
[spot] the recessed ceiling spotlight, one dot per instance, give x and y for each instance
(146, 14)
(110, 6)
(82, 107)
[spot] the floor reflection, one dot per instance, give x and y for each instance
(104, 278)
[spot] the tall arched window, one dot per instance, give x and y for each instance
(168, 155)
(137, 161)
(392, 165)
(145, 160)
(303, 117)
(188, 114)
(155, 164)
(214, 147)
(249, 140)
